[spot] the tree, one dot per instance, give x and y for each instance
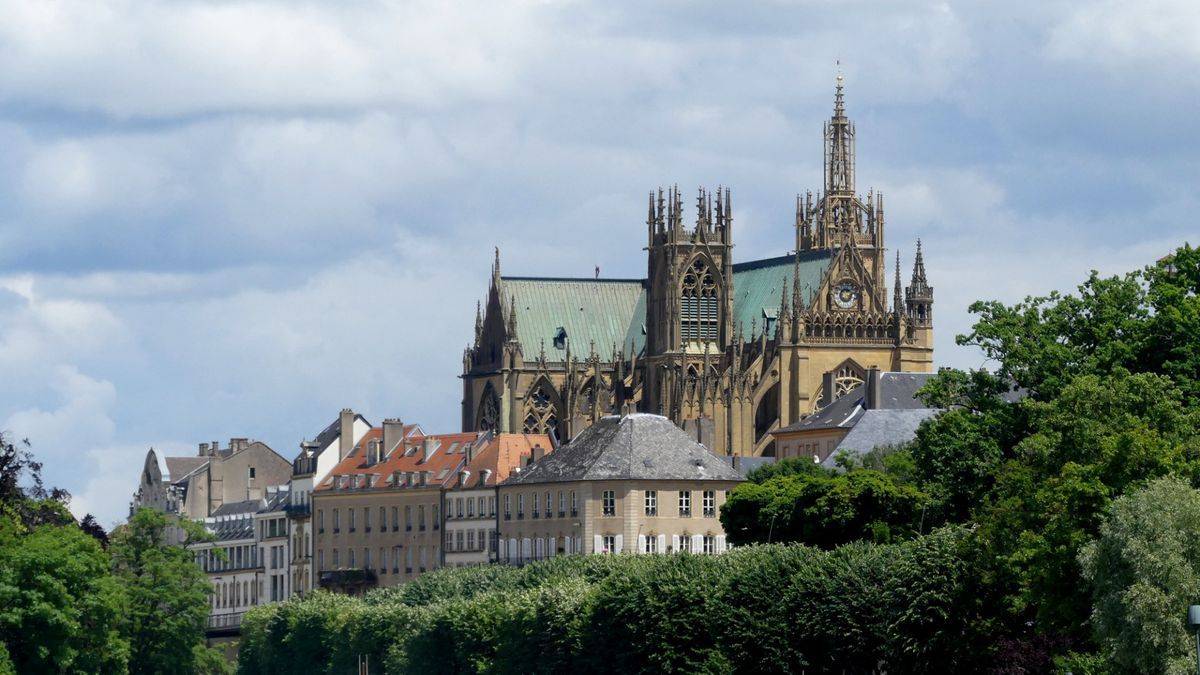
(823, 508)
(60, 609)
(1145, 571)
(168, 594)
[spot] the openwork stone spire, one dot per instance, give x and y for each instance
(839, 148)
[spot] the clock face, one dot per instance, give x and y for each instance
(845, 295)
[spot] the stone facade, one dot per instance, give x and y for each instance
(728, 351)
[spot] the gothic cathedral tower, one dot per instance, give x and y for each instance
(689, 294)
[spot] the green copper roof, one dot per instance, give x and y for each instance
(757, 285)
(605, 312)
(610, 312)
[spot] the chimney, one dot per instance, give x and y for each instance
(373, 453)
(827, 389)
(873, 389)
(484, 476)
(538, 453)
(463, 477)
(237, 445)
(428, 445)
(203, 449)
(345, 433)
(393, 432)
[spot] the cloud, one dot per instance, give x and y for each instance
(234, 218)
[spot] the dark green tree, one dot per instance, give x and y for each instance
(168, 595)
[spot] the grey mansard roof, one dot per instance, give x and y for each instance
(638, 446)
(880, 428)
(897, 391)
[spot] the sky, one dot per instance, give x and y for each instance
(232, 219)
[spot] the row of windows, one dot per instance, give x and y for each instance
(272, 527)
(536, 502)
(383, 519)
(469, 540)
(650, 503)
(537, 548)
(234, 594)
(227, 558)
(465, 508)
(423, 557)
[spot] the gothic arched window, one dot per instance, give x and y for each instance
(845, 380)
(698, 319)
(541, 417)
(489, 410)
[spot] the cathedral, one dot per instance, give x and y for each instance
(729, 351)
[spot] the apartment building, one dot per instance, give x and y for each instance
(470, 501)
(271, 537)
(377, 517)
(627, 484)
(231, 562)
(314, 462)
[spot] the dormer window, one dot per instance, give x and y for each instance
(560, 338)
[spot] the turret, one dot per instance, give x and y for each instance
(918, 297)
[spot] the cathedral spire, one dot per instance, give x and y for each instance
(918, 275)
(478, 322)
(897, 298)
(839, 148)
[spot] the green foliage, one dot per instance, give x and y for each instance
(755, 609)
(60, 609)
(785, 467)
(167, 594)
(1145, 571)
(823, 508)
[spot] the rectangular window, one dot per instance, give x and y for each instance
(549, 504)
(382, 560)
(491, 506)
(336, 562)
(685, 544)
(710, 503)
(470, 507)
(470, 540)
(652, 502)
(609, 503)
(408, 517)
(350, 555)
(395, 520)
(458, 507)
(651, 544)
(366, 558)
(710, 544)
(458, 541)
(508, 507)
(562, 504)
(321, 560)
(320, 521)
(421, 517)
(408, 560)
(337, 521)
(366, 519)
(574, 505)
(685, 503)
(251, 473)
(351, 519)
(520, 506)
(437, 517)
(609, 543)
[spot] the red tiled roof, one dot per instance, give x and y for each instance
(408, 456)
(502, 454)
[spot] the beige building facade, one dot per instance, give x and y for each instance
(728, 351)
(627, 484)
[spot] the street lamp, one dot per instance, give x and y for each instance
(1193, 620)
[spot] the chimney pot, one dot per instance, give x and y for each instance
(484, 476)
(873, 389)
(203, 449)
(393, 434)
(537, 453)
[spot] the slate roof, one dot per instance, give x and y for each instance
(897, 391)
(608, 312)
(235, 528)
(880, 428)
(179, 467)
(638, 446)
(236, 508)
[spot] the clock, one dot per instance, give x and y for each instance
(845, 295)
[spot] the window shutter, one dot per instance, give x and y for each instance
(641, 547)
(675, 543)
(512, 550)
(697, 543)
(598, 544)
(720, 543)
(551, 551)
(662, 543)
(620, 545)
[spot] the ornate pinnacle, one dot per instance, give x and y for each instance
(918, 275)
(897, 300)
(478, 322)
(512, 317)
(839, 107)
